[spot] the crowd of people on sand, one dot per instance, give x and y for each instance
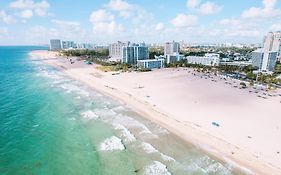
(261, 91)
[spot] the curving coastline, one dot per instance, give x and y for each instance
(182, 114)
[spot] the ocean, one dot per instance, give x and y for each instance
(53, 125)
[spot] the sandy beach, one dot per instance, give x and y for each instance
(187, 103)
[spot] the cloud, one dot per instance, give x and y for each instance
(107, 28)
(234, 27)
(267, 11)
(103, 23)
(67, 25)
(243, 33)
(6, 18)
(192, 3)
(253, 22)
(68, 29)
(26, 14)
(28, 8)
(269, 3)
(124, 8)
(101, 16)
(275, 27)
(230, 22)
(209, 8)
(3, 32)
(160, 26)
(182, 20)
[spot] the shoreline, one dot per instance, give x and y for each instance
(196, 135)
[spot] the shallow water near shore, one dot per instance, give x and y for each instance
(51, 124)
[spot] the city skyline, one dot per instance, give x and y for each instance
(29, 22)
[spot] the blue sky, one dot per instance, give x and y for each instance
(24, 22)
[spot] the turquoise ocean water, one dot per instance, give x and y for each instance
(52, 125)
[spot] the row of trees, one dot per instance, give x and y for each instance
(241, 70)
(100, 56)
(101, 53)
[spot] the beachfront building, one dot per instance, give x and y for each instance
(55, 45)
(68, 45)
(132, 53)
(236, 63)
(169, 59)
(172, 52)
(210, 59)
(151, 63)
(272, 42)
(257, 57)
(272, 50)
(171, 48)
(116, 51)
(85, 46)
(265, 58)
(265, 61)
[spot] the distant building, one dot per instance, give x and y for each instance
(172, 52)
(85, 46)
(257, 57)
(272, 42)
(55, 45)
(169, 59)
(265, 59)
(68, 45)
(151, 63)
(171, 48)
(116, 51)
(208, 59)
(272, 49)
(237, 63)
(135, 52)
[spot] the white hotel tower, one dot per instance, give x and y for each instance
(265, 58)
(272, 43)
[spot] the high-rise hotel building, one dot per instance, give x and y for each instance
(55, 45)
(265, 58)
(116, 51)
(132, 53)
(171, 48)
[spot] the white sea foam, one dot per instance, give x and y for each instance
(35, 126)
(236, 165)
(50, 74)
(89, 115)
(111, 144)
(148, 148)
(208, 166)
(106, 113)
(110, 116)
(78, 97)
(133, 123)
(73, 88)
(212, 166)
(156, 168)
(167, 158)
(161, 130)
(119, 108)
(128, 136)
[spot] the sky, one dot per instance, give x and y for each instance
(32, 22)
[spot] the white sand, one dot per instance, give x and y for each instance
(249, 132)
